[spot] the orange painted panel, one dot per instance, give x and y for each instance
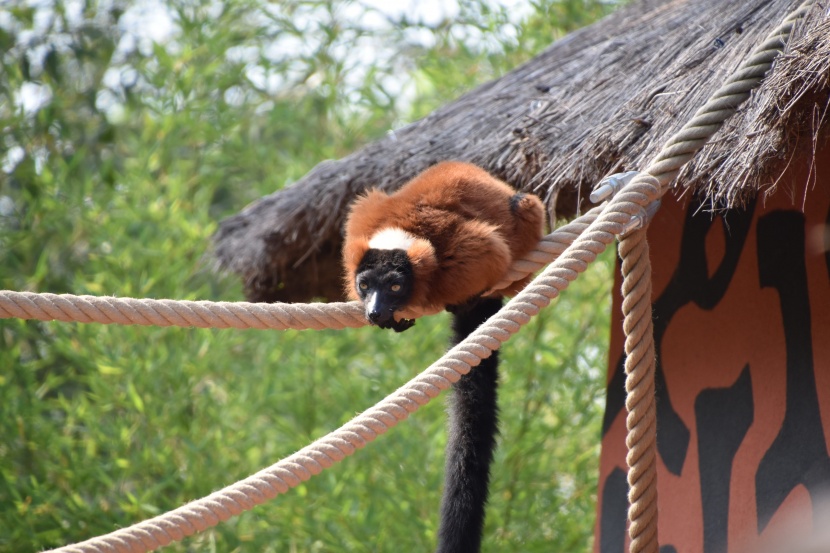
(741, 310)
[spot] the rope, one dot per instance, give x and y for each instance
(628, 203)
(242, 315)
(708, 119)
(201, 314)
(641, 422)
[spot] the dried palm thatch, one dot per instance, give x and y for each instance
(601, 100)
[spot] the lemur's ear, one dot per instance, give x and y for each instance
(353, 252)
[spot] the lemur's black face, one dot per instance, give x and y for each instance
(384, 283)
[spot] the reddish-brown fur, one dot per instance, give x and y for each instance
(468, 234)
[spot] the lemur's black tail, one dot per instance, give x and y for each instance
(473, 425)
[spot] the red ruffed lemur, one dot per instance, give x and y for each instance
(443, 240)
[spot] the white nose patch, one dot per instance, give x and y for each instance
(372, 302)
(391, 238)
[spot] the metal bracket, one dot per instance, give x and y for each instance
(610, 186)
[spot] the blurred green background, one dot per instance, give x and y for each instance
(128, 131)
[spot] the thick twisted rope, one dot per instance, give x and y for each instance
(641, 422)
(242, 315)
(201, 314)
(613, 220)
(708, 119)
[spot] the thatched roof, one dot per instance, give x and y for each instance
(601, 100)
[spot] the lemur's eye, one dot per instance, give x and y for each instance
(363, 286)
(396, 287)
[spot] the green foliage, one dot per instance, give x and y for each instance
(120, 154)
